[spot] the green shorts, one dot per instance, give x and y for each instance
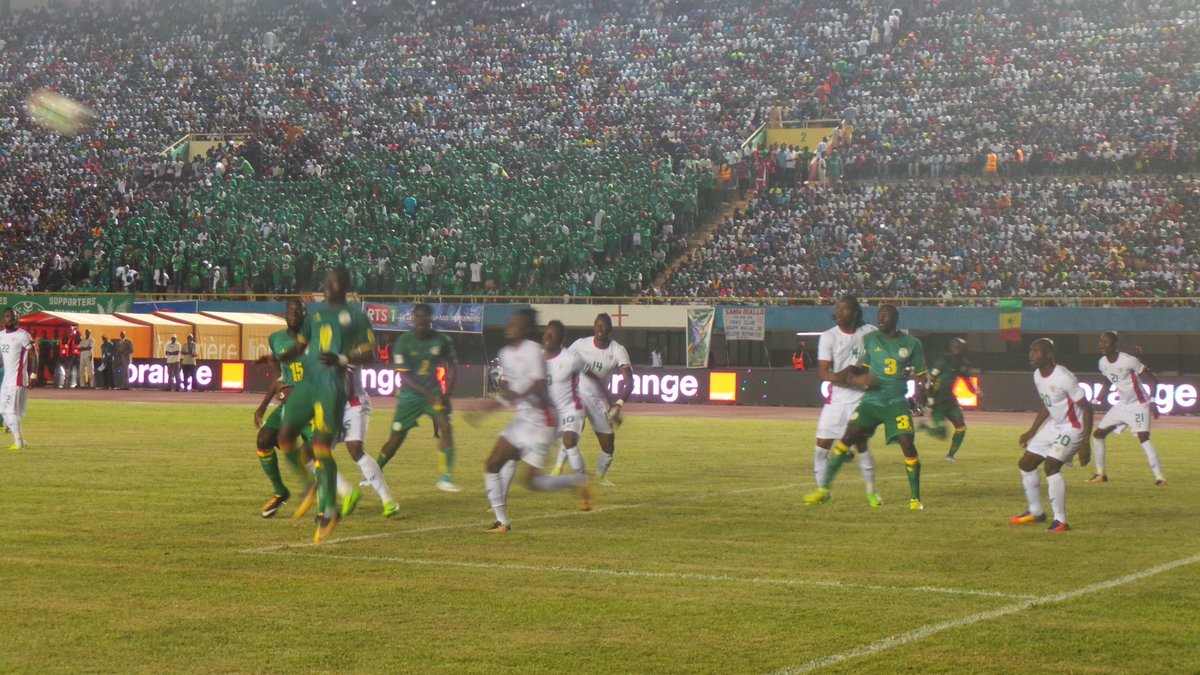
(323, 407)
(943, 410)
(410, 409)
(274, 420)
(896, 419)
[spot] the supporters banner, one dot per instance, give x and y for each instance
(744, 323)
(700, 324)
(447, 317)
(100, 303)
(1010, 320)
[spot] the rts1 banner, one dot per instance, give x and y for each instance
(447, 317)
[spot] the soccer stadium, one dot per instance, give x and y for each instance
(600, 336)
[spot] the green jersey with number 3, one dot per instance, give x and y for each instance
(892, 362)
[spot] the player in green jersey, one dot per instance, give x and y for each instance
(290, 374)
(417, 355)
(889, 359)
(334, 335)
(942, 402)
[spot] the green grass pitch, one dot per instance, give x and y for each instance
(134, 544)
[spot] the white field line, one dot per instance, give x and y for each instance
(639, 574)
(923, 632)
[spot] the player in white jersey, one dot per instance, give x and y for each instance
(603, 356)
(1060, 430)
(20, 368)
(355, 420)
(838, 352)
(564, 369)
(1134, 409)
(528, 435)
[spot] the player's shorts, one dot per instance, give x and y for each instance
(896, 419)
(944, 410)
(355, 422)
(274, 420)
(531, 438)
(1136, 416)
(410, 409)
(1055, 440)
(323, 406)
(570, 419)
(834, 418)
(13, 400)
(596, 411)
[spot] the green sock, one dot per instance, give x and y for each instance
(326, 481)
(382, 460)
(446, 461)
(956, 441)
(913, 467)
(836, 459)
(270, 466)
(293, 461)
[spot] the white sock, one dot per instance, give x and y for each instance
(370, 471)
(1032, 481)
(13, 422)
(563, 456)
(1058, 496)
(866, 464)
(820, 460)
(1098, 455)
(575, 457)
(495, 493)
(602, 463)
(507, 473)
(344, 487)
(544, 483)
(1152, 457)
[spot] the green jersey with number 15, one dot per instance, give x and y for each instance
(292, 372)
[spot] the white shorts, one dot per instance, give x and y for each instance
(596, 410)
(1059, 441)
(12, 400)
(835, 417)
(355, 422)
(570, 419)
(1136, 416)
(532, 439)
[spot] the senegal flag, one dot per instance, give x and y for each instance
(1010, 320)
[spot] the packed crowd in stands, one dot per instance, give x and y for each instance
(954, 240)
(473, 108)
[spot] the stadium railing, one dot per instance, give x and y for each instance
(1127, 302)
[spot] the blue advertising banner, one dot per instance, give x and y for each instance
(447, 317)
